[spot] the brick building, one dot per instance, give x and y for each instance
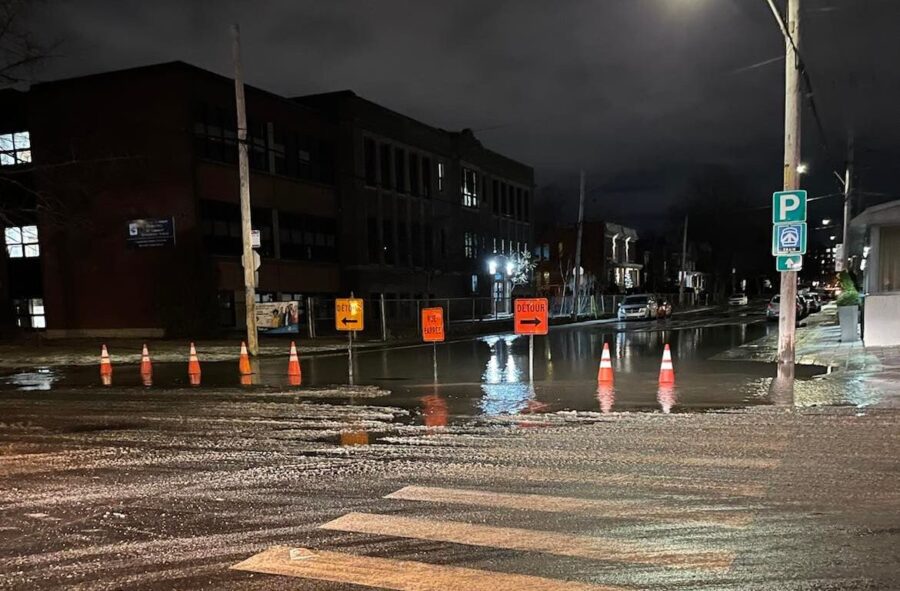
(87, 164)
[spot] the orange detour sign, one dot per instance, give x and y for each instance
(605, 375)
(433, 325)
(666, 371)
(348, 314)
(531, 316)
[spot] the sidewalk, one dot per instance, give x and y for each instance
(852, 366)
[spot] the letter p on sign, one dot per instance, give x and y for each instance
(788, 206)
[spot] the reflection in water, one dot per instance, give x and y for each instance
(354, 438)
(606, 395)
(504, 393)
(434, 410)
(666, 397)
(41, 379)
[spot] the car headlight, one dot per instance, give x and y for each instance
(642, 310)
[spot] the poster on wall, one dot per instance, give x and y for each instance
(148, 233)
(278, 317)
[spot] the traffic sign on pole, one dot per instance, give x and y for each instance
(790, 262)
(788, 206)
(433, 325)
(531, 316)
(789, 238)
(348, 314)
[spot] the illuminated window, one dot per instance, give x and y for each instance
(30, 313)
(470, 245)
(22, 242)
(469, 187)
(442, 174)
(15, 148)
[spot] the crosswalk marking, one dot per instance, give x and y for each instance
(577, 546)
(627, 509)
(398, 575)
(676, 484)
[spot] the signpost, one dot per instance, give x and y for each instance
(349, 317)
(788, 229)
(433, 331)
(531, 317)
(790, 262)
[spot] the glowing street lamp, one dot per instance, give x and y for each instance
(802, 168)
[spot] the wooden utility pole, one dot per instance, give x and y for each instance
(576, 299)
(244, 172)
(848, 208)
(787, 315)
(683, 281)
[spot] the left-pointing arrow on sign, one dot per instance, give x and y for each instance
(349, 321)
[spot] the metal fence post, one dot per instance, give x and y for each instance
(448, 311)
(311, 316)
(473, 309)
(383, 319)
(418, 317)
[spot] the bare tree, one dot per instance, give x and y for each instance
(20, 50)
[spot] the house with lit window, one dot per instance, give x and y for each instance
(119, 199)
(609, 259)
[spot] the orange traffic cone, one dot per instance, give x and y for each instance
(666, 371)
(146, 366)
(244, 364)
(605, 375)
(294, 374)
(105, 366)
(194, 367)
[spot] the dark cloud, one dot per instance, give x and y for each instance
(639, 92)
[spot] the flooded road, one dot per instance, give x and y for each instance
(490, 375)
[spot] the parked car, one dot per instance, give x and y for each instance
(773, 308)
(738, 299)
(642, 307)
(664, 309)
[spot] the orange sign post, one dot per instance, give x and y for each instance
(433, 332)
(531, 317)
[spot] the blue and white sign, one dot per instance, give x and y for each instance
(789, 239)
(788, 206)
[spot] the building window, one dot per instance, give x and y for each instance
(15, 148)
(442, 174)
(221, 225)
(495, 197)
(314, 159)
(386, 167)
(418, 254)
(474, 283)
(426, 177)
(370, 163)
(526, 205)
(414, 173)
(22, 242)
(469, 187)
(387, 233)
(215, 135)
(307, 237)
(400, 169)
(279, 155)
(374, 242)
(30, 313)
(470, 245)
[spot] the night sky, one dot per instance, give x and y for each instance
(641, 93)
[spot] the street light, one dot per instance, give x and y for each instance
(832, 238)
(826, 222)
(510, 267)
(802, 168)
(492, 266)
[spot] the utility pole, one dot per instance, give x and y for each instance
(244, 171)
(576, 295)
(787, 316)
(681, 283)
(848, 209)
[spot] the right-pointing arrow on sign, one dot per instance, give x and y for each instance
(533, 321)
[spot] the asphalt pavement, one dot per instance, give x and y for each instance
(326, 487)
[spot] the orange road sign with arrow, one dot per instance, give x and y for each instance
(531, 316)
(348, 314)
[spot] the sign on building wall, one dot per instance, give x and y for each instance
(278, 317)
(151, 232)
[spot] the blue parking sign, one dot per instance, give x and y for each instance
(789, 239)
